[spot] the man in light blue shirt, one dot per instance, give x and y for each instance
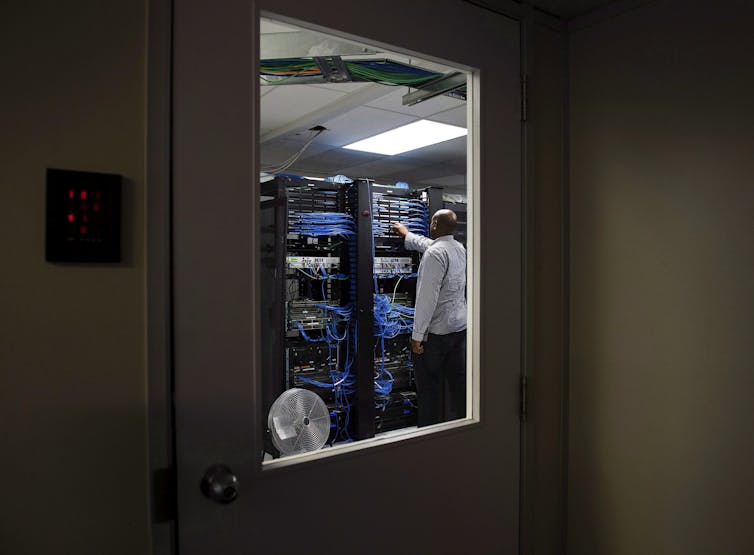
(438, 340)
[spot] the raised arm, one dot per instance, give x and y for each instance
(413, 242)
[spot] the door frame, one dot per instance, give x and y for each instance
(161, 418)
(159, 275)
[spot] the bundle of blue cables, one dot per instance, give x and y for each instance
(415, 218)
(338, 330)
(390, 320)
(320, 273)
(317, 224)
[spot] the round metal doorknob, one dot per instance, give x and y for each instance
(220, 484)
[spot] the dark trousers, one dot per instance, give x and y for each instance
(441, 378)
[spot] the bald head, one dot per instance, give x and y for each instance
(443, 223)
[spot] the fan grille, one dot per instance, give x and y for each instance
(299, 421)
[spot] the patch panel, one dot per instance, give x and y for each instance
(312, 262)
(384, 265)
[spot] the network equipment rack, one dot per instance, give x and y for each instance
(436, 201)
(338, 295)
(460, 209)
(308, 255)
(394, 280)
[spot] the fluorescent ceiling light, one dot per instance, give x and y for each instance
(408, 137)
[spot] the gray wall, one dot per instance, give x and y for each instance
(72, 338)
(662, 258)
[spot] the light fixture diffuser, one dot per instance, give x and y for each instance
(408, 137)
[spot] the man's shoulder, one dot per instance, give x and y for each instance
(437, 253)
(435, 246)
(435, 250)
(445, 246)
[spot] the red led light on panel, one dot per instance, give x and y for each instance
(83, 217)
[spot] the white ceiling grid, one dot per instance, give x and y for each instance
(282, 105)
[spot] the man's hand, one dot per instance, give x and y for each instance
(417, 347)
(400, 229)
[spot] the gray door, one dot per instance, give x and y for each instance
(452, 491)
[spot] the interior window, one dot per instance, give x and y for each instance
(365, 188)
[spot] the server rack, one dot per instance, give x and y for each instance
(436, 201)
(460, 209)
(338, 291)
(308, 261)
(393, 274)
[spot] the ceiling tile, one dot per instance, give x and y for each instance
(264, 90)
(276, 152)
(343, 88)
(334, 161)
(272, 26)
(454, 116)
(290, 102)
(424, 109)
(361, 123)
(454, 149)
(379, 169)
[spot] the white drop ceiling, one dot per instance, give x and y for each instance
(350, 112)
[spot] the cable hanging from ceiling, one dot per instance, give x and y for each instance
(277, 168)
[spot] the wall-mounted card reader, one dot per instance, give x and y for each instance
(83, 216)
